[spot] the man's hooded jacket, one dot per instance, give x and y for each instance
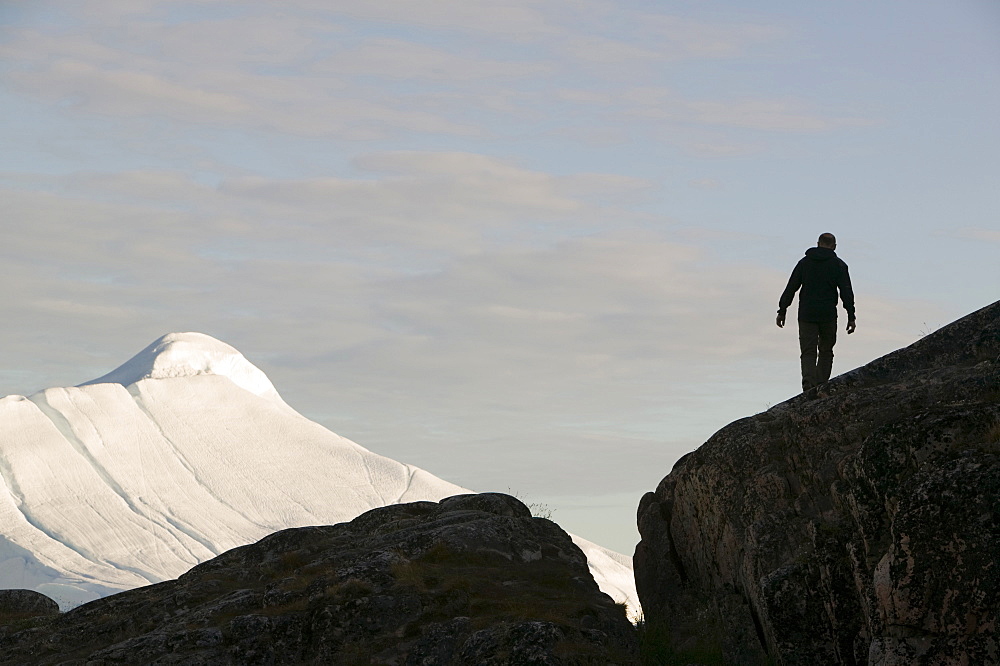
(820, 274)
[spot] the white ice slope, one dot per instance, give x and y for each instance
(182, 453)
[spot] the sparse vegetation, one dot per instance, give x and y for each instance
(538, 509)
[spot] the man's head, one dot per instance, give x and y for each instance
(827, 240)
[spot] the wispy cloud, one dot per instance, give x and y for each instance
(774, 115)
(977, 234)
(296, 74)
(399, 60)
(125, 93)
(603, 308)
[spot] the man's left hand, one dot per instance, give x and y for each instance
(851, 325)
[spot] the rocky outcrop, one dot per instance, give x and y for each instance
(855, 525)
(22, 604)
(473, 579)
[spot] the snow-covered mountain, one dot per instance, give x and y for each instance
(182, 453)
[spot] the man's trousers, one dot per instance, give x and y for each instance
(816, 341)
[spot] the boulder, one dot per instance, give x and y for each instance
(21, 604)
(473, 579)
(856, 524)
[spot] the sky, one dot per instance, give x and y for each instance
(532, 246)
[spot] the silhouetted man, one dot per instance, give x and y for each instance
(821, 274)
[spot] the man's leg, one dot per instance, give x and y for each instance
(808, 345)
(827, 339)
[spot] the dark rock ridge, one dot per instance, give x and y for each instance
(859, 525)
(22, 604)
(473, 579)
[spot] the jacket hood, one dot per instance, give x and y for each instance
(820, 253)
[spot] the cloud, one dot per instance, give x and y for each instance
(174, 187)
(454, 201)
(595, 49)
(73, 309)
(304, 71)
(122, 237)
(268, 40)
(437, 302)
(722, 149)
(187, 74)
(977, 234)
(771, 115)
(296, 106)
(658, 38)
(412, 210)
(145, 94)
(397, 59)
(783, 115)
(151, 229)
(706, 184)
(574, 28)
(520, 19)
(685, 37)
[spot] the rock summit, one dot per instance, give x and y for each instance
(474, 579)
(858, 524)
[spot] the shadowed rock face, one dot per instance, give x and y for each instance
(473, 579)
(857, 526)
(22, 604)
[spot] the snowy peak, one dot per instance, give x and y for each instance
(187, 355)
(104, 488)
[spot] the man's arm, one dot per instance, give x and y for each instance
(794, 282)
(847, 297)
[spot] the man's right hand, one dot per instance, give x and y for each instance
(851, 325)
(780, 321)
